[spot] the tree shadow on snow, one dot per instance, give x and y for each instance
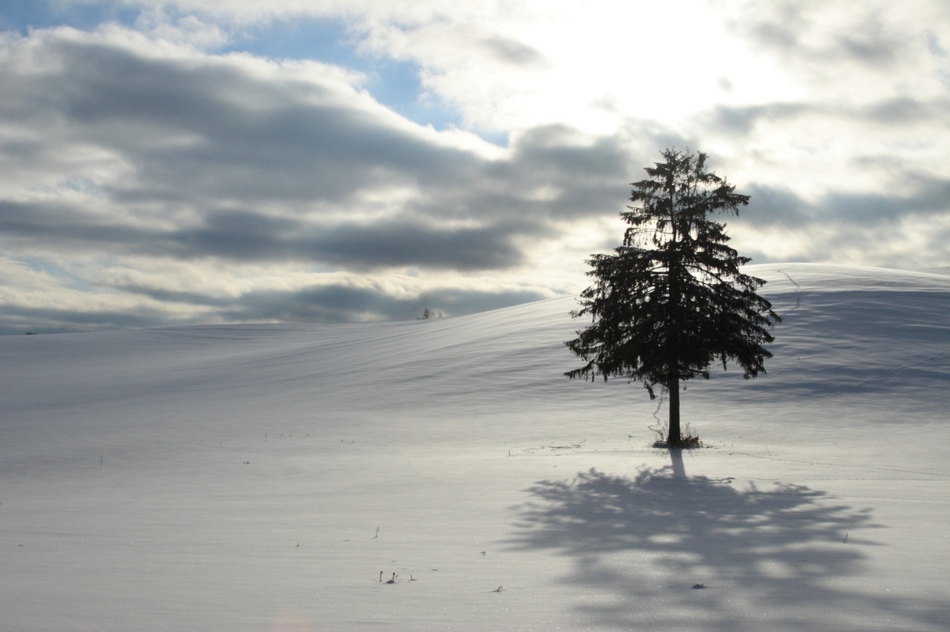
(663, 550)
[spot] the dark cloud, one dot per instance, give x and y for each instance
(392, 244)
(742, 119)
(202, 134)
(908, 111)
(923, 196)
(20, 319)
(212, 129)
(380, 244)
(585, 176)
(329, 304)
(772, 206)
(888, 114)
(250, 237)
(58, 226)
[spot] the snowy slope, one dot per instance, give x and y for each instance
(261, 477)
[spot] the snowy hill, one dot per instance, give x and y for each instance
(267, 477)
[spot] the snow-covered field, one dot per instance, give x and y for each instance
(267, 477)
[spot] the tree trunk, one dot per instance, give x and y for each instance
(674, 438)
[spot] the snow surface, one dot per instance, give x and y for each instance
(267, 477)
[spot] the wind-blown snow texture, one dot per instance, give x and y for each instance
(263, 477)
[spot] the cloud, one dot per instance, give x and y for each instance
(514, 52)
(870, 50)
(159, 169)
(898, 230)
(781, 207)
(128, 152)
(892, 112)
(831, 31)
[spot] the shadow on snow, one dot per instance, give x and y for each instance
(664, 550)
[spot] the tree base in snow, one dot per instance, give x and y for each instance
(685, 443)
(688, 437)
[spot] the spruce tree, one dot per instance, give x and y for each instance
(672, 298)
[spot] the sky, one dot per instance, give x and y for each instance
(180, 162)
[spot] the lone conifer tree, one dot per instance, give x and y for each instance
(672, 299)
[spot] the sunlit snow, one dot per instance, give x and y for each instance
(275, 477)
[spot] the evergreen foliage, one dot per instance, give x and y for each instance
(672, 299)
